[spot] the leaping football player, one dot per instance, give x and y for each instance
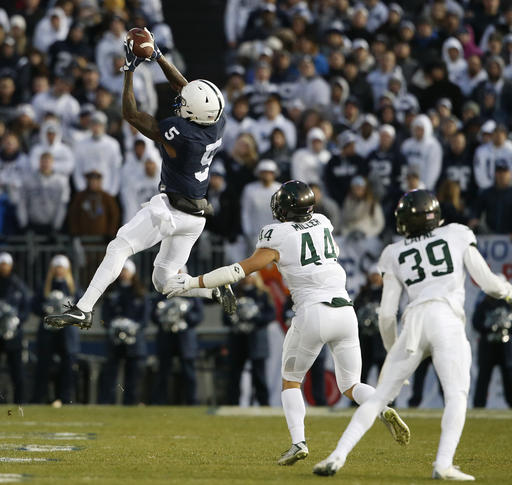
(430, 264)
(175, 217)
(302, 246)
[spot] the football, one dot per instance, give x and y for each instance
(143, 44)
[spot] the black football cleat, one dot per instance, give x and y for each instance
(225, 296)
(72, 316)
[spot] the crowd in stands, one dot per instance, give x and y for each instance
(362, 99)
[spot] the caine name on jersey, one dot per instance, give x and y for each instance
(312, 223)
(410, 240)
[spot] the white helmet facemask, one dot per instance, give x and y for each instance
(200, 101)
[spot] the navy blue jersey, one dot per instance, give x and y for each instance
(195, 146)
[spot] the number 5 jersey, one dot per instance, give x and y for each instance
(308, 260)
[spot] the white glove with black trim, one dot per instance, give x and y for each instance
(176, 285)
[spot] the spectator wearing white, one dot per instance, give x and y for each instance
(486, 130)
(18, 33)
(153, 11)
(131, 135)
(310, 88)
(43, 200)
(98, 152)
(378, 14)
(424, 151)
(138, 190)
(367, 138)
(81, 129)
(63, 160)
(340, 91)
(58, 101)
(499, 148)
(110, 45)
(255, 202)
(308, 163)
(360, 211)
(237, 122)
(261, 88)
(234, 86)
(235, 19)
(453, 57)
(143, 87)
(133, 167)
(379, 77)
(361, 51)
(52, 27)
(273, 118)
(471, 76)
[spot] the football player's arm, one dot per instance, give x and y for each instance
(490, 283)
(144, 122)
(388, 309)
(235, 272)
(175, 78)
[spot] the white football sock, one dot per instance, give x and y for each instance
(110, 268)
(362, 392)
(360, 423)
(452, 424)
(295, 412)
(200, 292)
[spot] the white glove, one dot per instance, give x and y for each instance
(176, 285)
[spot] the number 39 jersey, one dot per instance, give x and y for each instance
(308, 259)
(431, 267)
(195, 146)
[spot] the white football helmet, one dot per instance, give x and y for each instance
(200, 101)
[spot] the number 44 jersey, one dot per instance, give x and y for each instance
(431, 266)
(308, 259)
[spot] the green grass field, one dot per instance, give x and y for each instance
(163, 445)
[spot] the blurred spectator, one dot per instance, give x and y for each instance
(342, 167)
(424, 151)
(498, 148)
(238, 121)
(99, 152)
(57, 101)
(326, 206)
(340, 91)
(32, 12)
(453, 57)
(255, 201)
(176, 319)
(139, 188)
(492, 319)
(452, 208)
(125, 314)
(54, 26)
(379, 77)
(368, 136)
(407, 64)
(235, 19)
(86, 93)
(367, 305)
(280, 152)
(109, 46)
(308, 164)
(51, 142)
(15, 308)
(43, 199)
(263, 22)
(493, 208)
(93, 212)
(81, 128)
(258, 92)
(57, 349)
(273, 118)
(361, 52)
(360, 89)
(234, 86)
(25, 126)
(8, 100)
(248, 338)
(310, 88)
(474, 74)
(360, 211)
(485, 14)
(351, 117)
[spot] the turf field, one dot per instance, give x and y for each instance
(162, 445)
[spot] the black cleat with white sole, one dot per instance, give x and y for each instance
(225, 296)
(72, 316)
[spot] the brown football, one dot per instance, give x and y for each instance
(143, 44)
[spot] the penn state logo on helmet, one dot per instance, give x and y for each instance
(200, 101)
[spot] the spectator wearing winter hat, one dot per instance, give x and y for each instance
(342, 167)
(367, 138)
(308, 163)
(363, 56)
(110, 45)
(453, 56)
(255, 201)
(360, 211)
(51, 28)
(424, 151)
(358, 28)
(18, 33)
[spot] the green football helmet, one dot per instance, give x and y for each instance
(417, 213)
(293, 201)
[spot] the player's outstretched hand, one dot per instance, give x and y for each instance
(177, 285)
(131, 61)
(157, 53)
